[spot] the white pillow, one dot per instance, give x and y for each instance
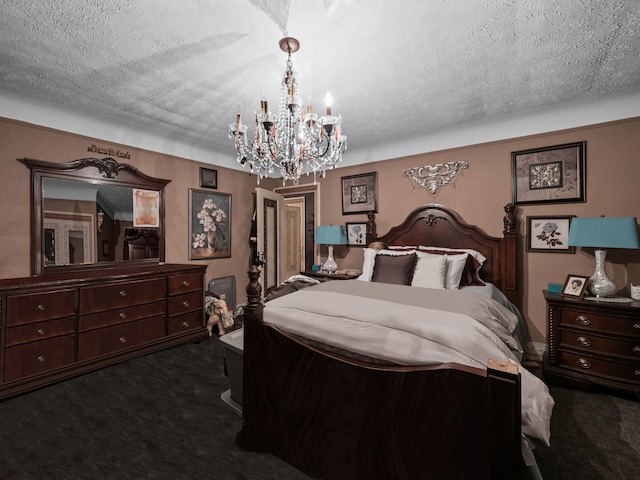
(455, 266)
(430, 271)
(474, 253)
(370, 261)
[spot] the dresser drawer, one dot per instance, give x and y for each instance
(40, 331)
(37, 357)
(588, 320)
(33, 307)
(121, 315)
(627, 372)
(591, 343)
(186, 303)
(189, 282)
(190, 321)
(120, 337)
(106, 297)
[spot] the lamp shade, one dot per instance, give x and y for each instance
(604, 232)
(331, 235)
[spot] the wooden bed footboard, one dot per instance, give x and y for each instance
(338, 418)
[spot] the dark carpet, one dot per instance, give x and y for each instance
(161, 417)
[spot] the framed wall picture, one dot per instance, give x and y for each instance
(549, 234)
(360, 193)
(574, 286)
(209, 225)
(208, 178)
(357, 234)
(549, 175)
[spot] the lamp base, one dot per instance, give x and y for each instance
(330, 265)
(601, 286)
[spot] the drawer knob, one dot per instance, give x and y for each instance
(582, 320)
(186, 304)
(123, 340)
(41, 358)
(185, 324)
(584, 341)
(186, 283)
(122, 293)
(41, 332)
(637, 326)
(637, 373)
(40, 307)
(582, 363)
(636, 349)
(123, 315)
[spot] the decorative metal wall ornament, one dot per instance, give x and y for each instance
(433, 177)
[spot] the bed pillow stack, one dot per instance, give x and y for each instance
(434, 267)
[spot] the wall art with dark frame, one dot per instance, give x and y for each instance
(549, 175)
(356, 234)
(209, 225)
(549, 234)
(360, 193)
(208, 178)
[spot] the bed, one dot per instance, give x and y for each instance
(337, 411)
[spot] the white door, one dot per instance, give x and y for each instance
(270, 208)
(294, 243)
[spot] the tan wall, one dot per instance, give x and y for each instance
(612, 189)
(613, 170)
(21, 140)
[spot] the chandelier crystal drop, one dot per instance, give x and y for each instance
(294, 141)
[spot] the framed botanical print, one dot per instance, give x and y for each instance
(549, 234)
(356, 234)
(549, 175)
(359, 193)
(209, 225)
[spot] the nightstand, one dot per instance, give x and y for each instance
(329, 276)
(591, 342)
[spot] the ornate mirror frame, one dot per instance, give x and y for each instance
(88, 170)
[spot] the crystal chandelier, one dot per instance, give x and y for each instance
(291, 142)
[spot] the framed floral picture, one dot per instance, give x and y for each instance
(360, 194)
(356, 234)
(209, 225)
(549, 234)
(549, 175)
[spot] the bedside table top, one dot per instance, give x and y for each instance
(602, 304)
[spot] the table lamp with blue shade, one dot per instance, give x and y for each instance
(602, 233)
(331, 235)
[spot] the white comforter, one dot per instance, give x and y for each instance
(392, 323)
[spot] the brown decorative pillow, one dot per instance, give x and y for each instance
(396, 269)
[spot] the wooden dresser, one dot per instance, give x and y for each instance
(592, 342)
(54, 327)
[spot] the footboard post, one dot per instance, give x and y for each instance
(504, 383)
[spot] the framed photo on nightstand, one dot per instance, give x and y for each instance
(574, 286)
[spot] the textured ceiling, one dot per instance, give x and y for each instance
(397, 69)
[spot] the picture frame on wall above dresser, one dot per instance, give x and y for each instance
(549, 234)
(208, 178)
(554, 174)
(209, 225)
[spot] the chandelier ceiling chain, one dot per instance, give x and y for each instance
(433, 177)
(291, 142)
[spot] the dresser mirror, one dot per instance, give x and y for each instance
(92, 212)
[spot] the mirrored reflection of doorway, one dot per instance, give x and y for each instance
(76, 246)
(49, 246)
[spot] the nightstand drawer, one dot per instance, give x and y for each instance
(606, 345)
(627, 372)
(594, 321)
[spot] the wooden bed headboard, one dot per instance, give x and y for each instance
(437, 226)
